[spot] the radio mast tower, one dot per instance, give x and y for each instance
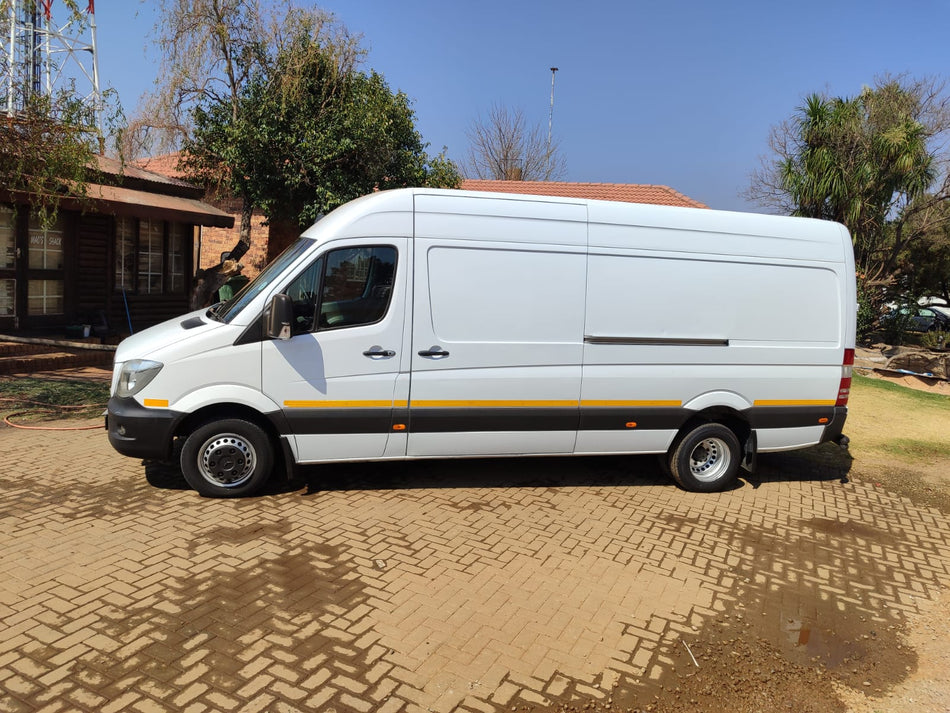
(41, 56)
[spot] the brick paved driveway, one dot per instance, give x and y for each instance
(443, 586)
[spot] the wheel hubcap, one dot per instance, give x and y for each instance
(226, 460)
(709, 460)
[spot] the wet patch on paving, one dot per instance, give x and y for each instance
(446, 586)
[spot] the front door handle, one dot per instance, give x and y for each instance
(377, 352)
(435, 351)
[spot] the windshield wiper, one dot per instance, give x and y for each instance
(214, 309)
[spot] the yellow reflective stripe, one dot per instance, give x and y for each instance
(304, 403)
(506, 403)
(793, 402)
(482, 403)
(158, 403)
(513, 403)
(615, 403)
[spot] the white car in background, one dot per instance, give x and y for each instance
(937, 304)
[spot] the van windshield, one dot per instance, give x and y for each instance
(226, 311)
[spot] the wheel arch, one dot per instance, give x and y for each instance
(220, 411)
(733, 419)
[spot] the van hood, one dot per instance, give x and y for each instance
(151, 342)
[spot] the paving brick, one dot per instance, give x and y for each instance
(391, 705)
(321, 697)
(486, 596)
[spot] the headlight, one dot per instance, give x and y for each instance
(135, 376)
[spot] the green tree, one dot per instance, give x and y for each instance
(48, 152)
(872, 162)
(210, 51)
(311, 133)
(926, 262)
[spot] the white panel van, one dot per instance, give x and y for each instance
(421, 323)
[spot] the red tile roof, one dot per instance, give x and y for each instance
(626, 192)
(166, 165)
(139, 170)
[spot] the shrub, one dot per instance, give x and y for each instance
(896, 323)
(935, 340)
(867, 312)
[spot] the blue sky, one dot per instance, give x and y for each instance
(680, 94)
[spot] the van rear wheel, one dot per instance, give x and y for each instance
(229, 458)
(706, 458)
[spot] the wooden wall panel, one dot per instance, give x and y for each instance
(93, 274)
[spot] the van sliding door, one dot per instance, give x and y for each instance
(496, 348)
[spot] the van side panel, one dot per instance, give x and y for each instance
(703, 297)
(681, 320)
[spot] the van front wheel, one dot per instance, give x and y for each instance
(706, 459)
(229, 458)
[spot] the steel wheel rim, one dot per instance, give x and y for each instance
(227, 460)
(709, 460)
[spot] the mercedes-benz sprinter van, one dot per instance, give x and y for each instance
(420, 323)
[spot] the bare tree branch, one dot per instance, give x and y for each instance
(504, 148)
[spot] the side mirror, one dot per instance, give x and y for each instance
(279, 317)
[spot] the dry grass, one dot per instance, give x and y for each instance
(900, 438)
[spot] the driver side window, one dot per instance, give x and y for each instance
(303, 293)
(347, 287)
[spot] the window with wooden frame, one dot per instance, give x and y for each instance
(176, 258)
(46, 245)
(7, 238)
(150, 256)
(45, 286)
(125, 254)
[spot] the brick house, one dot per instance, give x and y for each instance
(128, 260)
(216, 241)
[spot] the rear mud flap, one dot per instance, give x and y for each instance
(749, 453)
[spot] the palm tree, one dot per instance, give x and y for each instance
(864, 162)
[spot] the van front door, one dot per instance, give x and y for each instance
(338, 378)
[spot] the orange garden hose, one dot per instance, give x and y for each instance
(49, 408)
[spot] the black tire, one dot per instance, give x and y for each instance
(229, 458)
(706, 458)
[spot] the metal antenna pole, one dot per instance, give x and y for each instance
(551, 116)
(11, 57)
(41, 56)
(97, 92)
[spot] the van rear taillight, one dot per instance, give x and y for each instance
(844, 387)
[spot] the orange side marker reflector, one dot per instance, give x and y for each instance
(631, 424)
(399, 427)
(822, 420)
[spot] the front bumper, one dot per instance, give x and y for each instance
(141, 432)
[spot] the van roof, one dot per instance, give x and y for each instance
(393, 208)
